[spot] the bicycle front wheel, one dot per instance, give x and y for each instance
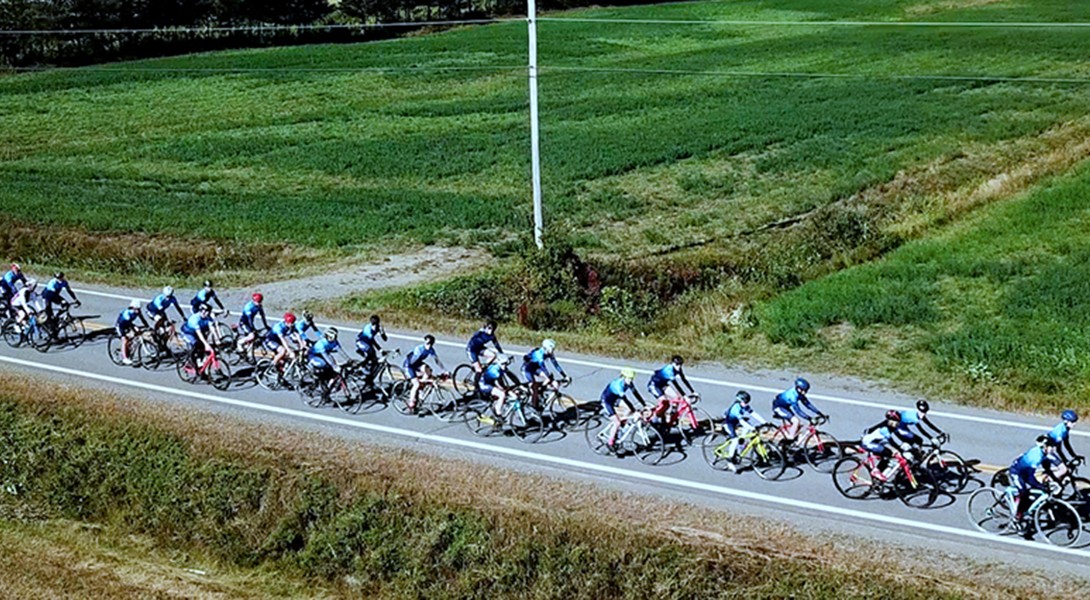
(526, 423)
(113, 348)
(187, 369)
(74, 332)
(920, 491)
(1058, 522)
(442, 403)
(714, 449)
(988, 510)
(219, 375)
(852, 478)
(949, 472)
(465, 380)
(767, 460)
(689, 432)
(821, 451)
(647, 444)
(13, 335)
(597, 435)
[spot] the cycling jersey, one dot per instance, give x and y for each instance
(161, 303)
(1023, 470)
(278, 334)
(26, 300)
(126, 320)
(197, 323)
(786, 405)
(246, 319)
(478, 342)
(490, 377)
(53, 289)
(615, 392)
(415, 359)
(365, 341)
(320, 350)
(534, 363)
(736, 414)
(302, 327)
(875, 439)
(908, 418)
(1060, 432)
(368, 332)
(204, 296)
(10, 281)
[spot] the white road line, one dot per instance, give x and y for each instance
(570, 463)
(716, 382)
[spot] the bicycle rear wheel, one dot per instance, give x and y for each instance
(219, 374)
(852, 478)
(187, 369)
(268, 376)
(399, 396)
(988, 510)
(147, 352)
(949, 472)
(346, 394)
(922, 493)
(13, 335)
(714, 449)
(1001, 478)
(442, 403)
(767, 460)
(597, 436)
(465, 380)
(821, 451)
(113, 349)
(1058, 522)
(40, 338)
(73, 332)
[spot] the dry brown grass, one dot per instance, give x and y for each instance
(548, 501)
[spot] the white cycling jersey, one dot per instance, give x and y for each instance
(27, 300)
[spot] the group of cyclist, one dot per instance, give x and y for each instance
(20, 299)
(1052, 455)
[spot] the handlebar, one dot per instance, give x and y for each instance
(819, 420)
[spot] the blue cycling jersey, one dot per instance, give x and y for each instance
(876, 438)
(197, 323)
(279, 332)
(1033, 459)
(536, 358)
(666, 374)
(910, 417)
(11, 278)
(303, 326)
(56, 286)
(367, 333)
(492, 374)
(789, 400)
(161, 303)
(419, 354)
(618, 388)
(1060, 432)
(479, 341)
(738, 411)
(251, 310)
(204, 296)
(128, 317)
(324, 346)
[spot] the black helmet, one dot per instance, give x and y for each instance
(742, 396)
(59, 275)
(490, 325)
(922, 406)
(208, 283)
(429, 339)
(374, 319)
(677, 360)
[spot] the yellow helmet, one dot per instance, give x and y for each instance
(628, 373)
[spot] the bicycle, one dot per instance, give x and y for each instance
(211, 369)
(752, 452)
(690, 421)
(855, 479)
(518, 415)
(28, 333)
(1071, 487)
(64, 329)
(377, 380)
(1054, 519)
(950, 472)
(433, 397)
(161, 344)
(636, 435)
(338, 389)
(113, 348)
(465, 378)
(819, 449)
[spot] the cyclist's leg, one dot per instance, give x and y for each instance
(731, 429)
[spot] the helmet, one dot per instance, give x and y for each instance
(548, 346)
(374, 320)
(802, 384)
(892, 415)
(677, 360)
(289, 318)
(205, 308)
(1050, 441)
(429, 339)
(59, 275)
(742, 396)
(135, 304)
(628, 373)
(258, 298)
(331, 333)
(308, 316)
(1042, 440)
(208, 283)
(1070, 416)
(168, 291)
(922, 406)
(15, 267)
(32, 283)
(489, 325)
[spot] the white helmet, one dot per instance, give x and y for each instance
(168, 291)
(548, 346)
(135, 304)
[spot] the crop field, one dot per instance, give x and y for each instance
(425, 139)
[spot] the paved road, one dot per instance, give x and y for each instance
(806, 499)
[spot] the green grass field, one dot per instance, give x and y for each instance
(357, 158)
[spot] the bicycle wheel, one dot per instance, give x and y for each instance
(949, 471)
(647, 444)
(919, 492)
(442, 403)
(714, 449)
(559, 410)
(310, 390)
(852, 478)
(187, 369)
(40, 338)
(526, 423)
(113, 349)
(13, 335)
(703, 425)
(1076, 490)
(482, 423)
(399, 397)
(1001, 478)
(268, 376)
(597, 436)
(1058, 522)
(219, 374)
(821, 451)
(465, 380)
(73, 332)
(345, 393)
(988, 510)
(767, 460)
(227, 335)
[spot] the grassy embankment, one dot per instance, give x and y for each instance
(269, 509)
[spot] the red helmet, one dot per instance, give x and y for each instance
(258, 298)
(289, 318)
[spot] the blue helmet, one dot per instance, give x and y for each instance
(1070, 416)
(802, 385)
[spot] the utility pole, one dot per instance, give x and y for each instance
(535, 151)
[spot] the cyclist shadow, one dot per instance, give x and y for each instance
(244, 378)
(791, 472)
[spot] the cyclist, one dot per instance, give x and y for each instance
(878, 438)
(302, 326)
(247, 320)
(786, 407)
(1061, 434)
(278, 340)
(738, 421)
(415, 370)
(195, 331)
(159, 305)
(52, 294)
(1023, 474)
(26, 301)
(476, 346)
(617, 391)
(367, 345)
(536, 372)
(12, 279)
(126, 328)
(919, 418)
(491, 385)
(664, 382)
(205, 296)
(322, 360)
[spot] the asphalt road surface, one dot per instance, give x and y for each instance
(803, 498)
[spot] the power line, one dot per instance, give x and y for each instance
(255, 28)
(775, 74)
(981, 24)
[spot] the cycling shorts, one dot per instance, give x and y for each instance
(365, 348)
(609, 403)
(782, 411)
(410, 372)
(530, 370)
(657, 387)
(51, 298)
(1025, 479)
(736, 426)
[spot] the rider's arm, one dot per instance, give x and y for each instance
(685, 380)
(556, 365)
(636, 393)
(382, 332)
(496, 342)
(753, 416)
(926, 421)
(71, 293)
(142, 320)
(804, 401)
(217, 299)
(439, 363)
(1067, 447)
(264, 321)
